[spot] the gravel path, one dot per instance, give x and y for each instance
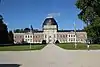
(51, 56)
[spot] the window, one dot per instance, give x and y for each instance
(49, 36)
(69, 35)
(66, 35)
(30, 36)
(71, 39)
(25, 39)
(63, 35)
(30, 40)
(81, 40)
(26, 36)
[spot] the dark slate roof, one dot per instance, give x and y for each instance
(70, 31)
(38, 31)
(49, 21)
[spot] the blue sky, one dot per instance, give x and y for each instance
(23, 13)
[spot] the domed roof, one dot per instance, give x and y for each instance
(49, 21)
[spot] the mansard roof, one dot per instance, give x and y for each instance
(70, 31)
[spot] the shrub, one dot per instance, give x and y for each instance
(57, 42)
(44, 42)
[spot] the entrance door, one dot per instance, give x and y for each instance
(50, 39)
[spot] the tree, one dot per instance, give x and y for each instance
(3, 32)
(22, 30)
(44, 42)
(11, 36)
(18, 31)
(90, 14)
(27, 30)
(57, 42)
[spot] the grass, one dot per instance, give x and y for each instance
(21, 48)
(79, 46)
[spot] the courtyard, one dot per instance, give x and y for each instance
(50, 56)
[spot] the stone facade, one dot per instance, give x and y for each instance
(51, 34)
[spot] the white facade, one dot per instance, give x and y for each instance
(28, 37)
(51, 34)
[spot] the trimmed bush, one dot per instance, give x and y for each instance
(44, 42)
(57, 42)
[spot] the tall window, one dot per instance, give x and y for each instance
(36, 36)
(26, 36)
(30, 36)
(66, 35)
(45, 36)
(63, 35)
(69, 35)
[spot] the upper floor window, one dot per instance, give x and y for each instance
(26, 36)
(30, 36)
(66, 35)
(60, 35)
(63, 35)
(69, 35)
(74, 35)
(36, 36)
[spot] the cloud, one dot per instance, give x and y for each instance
(54, 14)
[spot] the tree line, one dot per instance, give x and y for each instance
(90, 14)
(5, 36)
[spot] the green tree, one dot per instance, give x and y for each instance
(3, 32)
(11, 37)
(27, 30)
(18, 31)
(90, 14)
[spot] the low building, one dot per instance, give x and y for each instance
(51, 34)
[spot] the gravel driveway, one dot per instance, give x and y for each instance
(50, 56)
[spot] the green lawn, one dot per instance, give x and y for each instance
(79, 46)
(21, 48)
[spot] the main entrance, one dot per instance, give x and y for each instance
(50, 39)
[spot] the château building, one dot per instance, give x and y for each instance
(51, 34)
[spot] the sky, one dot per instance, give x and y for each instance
(23, 13)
